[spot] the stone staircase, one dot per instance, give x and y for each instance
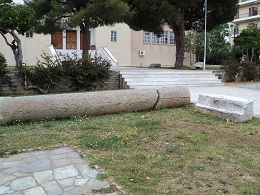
(155, 77)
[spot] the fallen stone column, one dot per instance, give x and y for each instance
(226, 107)
(30, 108)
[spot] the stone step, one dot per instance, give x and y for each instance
(150, 78)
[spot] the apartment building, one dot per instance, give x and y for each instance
(248, 15)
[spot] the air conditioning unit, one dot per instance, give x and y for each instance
(142, 53)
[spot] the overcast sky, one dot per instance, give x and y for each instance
(18, 1)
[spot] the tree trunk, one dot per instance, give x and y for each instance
(179, 34)
(16, 47)
(85, 32)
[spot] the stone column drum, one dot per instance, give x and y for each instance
(41, 107)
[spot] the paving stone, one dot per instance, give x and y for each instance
(10, 170)
(81, 182)
(39, 165)
(2, 159)
(17, 193)
(87, 172)
(35, 191)
(4, 189)
(52, 188)
(5, 165)
(39, 153)
(19, 174)
(97, 184)
(65, 172)
(28, 160)
(61, 150)
(43, 176)
(77, 160)
(60, 162)
(24, 183)
(81, 190)
(10, 191)
(73, 155)
(68, 189)
(57, 156)
(66, 182)
(5, 178)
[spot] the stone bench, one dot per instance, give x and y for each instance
(155, 66)
(41, 107)
(226, 107)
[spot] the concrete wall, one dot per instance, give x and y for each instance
(154, 52)
(33, 47)
(13, 84)
(121, 49)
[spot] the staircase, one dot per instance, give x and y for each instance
(155, 77)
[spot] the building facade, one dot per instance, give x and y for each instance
(129, 47)
(248, 15)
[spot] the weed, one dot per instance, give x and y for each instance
(169, 151)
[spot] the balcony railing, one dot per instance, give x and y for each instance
(247, 2)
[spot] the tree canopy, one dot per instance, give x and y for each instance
(218, 48)
(57, 15)
(248, 43)
(180, 16)
(15, 18)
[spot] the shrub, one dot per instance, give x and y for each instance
(231, 68)
(249, 71)
(83, 73)
(3, 64)
(245, 71)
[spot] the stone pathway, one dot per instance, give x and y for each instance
(59, 171)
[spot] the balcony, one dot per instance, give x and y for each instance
(248, 2)
(251, 16)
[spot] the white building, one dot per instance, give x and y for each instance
(129, 47)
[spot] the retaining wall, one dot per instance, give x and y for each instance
(13, 84)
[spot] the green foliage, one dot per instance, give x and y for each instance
(249, 71)
(83, 73)
(248, 43)
(180, 16)
(235, 71)
(15, 18)
(53, 16)
(218, 49)
(231, 68)
(2, 65)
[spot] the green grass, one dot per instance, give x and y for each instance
(169, 151)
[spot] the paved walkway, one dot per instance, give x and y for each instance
(247, 91)
(59, 171)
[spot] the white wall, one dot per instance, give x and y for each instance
(32, 47)
(120, 49)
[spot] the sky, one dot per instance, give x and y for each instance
(18, 1)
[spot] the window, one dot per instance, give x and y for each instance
(172, 39)
(236, 30)
(71, 39)
(165, 37)
(29, 34)
(155, 38)
(252, 11)
(146, 37)
(113, 36)
(56, 40)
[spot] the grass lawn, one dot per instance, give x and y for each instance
(169, 151)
